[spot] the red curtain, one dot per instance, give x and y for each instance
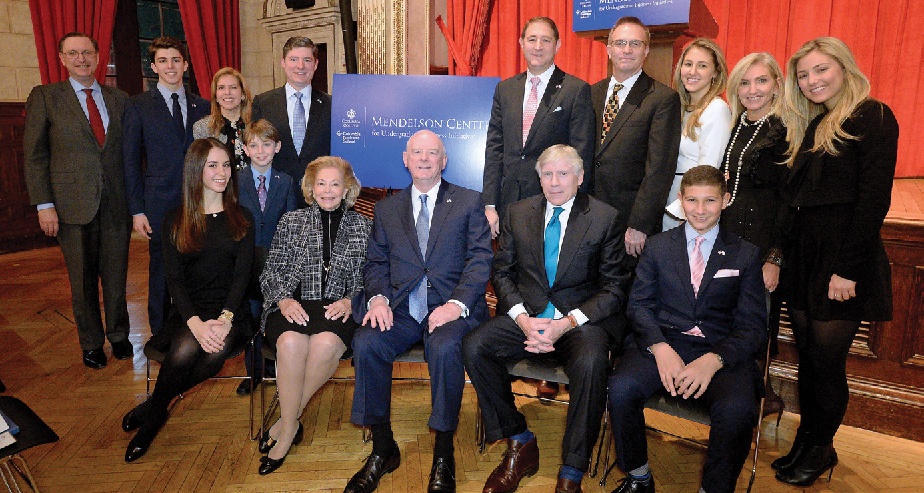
(465, 35)
(501, 55)
(52, 20)
(884, 35)
(213, 34)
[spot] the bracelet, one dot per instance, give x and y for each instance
(226, 315)
(721, 359)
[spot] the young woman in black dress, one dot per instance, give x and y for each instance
(208, 251)
(313, 271)
(755, 169)
(842, 151)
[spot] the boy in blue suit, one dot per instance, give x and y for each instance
(699, 317)
(157, 130)
(268, 194)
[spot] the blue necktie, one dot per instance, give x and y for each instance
(178, 114)
(298, 123)
(418, 300)
(552, 235)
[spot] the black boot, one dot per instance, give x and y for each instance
(814, 461)
(798, 446)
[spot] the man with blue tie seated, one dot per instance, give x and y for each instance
(699, 318)
(560, 284)
(428, 264)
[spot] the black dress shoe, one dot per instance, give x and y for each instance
(268, 465)
(367, 479)
(244, 388)
(139, 444)
(123, 349)
(442, 475)
(132, 420)
(814, 461)
(94, 358)
(629, 484)
(267, 442)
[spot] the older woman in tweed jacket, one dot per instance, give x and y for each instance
(313, 271)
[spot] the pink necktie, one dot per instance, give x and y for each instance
(529, 111)
(261, 192)
(96, 119)
(697, 265)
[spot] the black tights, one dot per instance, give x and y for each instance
(185, 366)
(823, 392)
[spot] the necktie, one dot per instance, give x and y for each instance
(178, 113)
(552, 235)
(529, 110)
(418, 300)
(261, 192)
(298, 123)
(697, 265)
(610, 110)
(96, 120)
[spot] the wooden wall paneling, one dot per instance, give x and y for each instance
(17, 217)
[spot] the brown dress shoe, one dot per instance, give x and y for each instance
(565, 485)
(546, 390)
(519, 461)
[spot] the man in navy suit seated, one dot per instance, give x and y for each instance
(699, 317)
(427, 266)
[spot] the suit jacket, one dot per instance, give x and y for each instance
(730, 310)
(64, 163)
(271, 105)
(564, 116)
(633, 168)
(296, 258)
(591, 274)
(458, 257)
(151, 137)
(280, 198)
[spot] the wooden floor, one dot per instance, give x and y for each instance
(205, 445)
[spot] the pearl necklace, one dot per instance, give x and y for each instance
(743, 123)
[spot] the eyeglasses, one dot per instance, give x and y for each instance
(621, 43)
(74, 53)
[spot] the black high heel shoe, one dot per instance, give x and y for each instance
(798, 448)
(141, 442)
(814, 462)
(267, 442)
(268, 465)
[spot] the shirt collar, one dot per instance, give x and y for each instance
(80, 87)
(415, 193)
(566, 206)
(290, 91)
(257, 174)
(166, 93)
(544, 77)
(626, 84)
(709, 236)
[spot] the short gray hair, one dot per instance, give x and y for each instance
(558, 152)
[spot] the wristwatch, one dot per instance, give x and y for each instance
(227, 315)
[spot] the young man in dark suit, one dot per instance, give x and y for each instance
(532, 111)
(638, 136)
(300, 113)
(158, 130)
(560, 284)
(699, 318)
(278, 192)
(73, 167)
(428, 263)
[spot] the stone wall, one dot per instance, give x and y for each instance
(257, 59)
(19, 65)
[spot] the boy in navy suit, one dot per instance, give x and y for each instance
(157, 130)
(268, 194)
(699, 317)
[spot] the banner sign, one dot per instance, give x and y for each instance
(373, 116)
(593, 15)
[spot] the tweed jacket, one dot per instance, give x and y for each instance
(295, 257)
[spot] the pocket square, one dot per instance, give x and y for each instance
(726, 273)
(695, 332)
(556, 109)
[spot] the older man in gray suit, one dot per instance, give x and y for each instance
(73, 168)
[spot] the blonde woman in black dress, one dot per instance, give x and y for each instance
(843, 147)
(755, 169)
(313, 271)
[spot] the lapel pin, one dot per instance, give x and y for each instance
(448, 201)
(721, 252)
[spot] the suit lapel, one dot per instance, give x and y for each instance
(535, 228)
(316, 104)
(626, 108)
(717, 259)
(440, 213)
(578, 223)
(112, 109)
(407, 219)
(247, 188)
(272, 195)
(549, 97)
(72, 104)
(681, 260)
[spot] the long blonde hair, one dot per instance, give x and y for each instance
(798, 111)
(718, 83)
(216, 122)
(737, 73)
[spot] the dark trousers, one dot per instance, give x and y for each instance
(374, 353)
(158, 298)
(582, 352)
(731, 399)
(94, 253)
